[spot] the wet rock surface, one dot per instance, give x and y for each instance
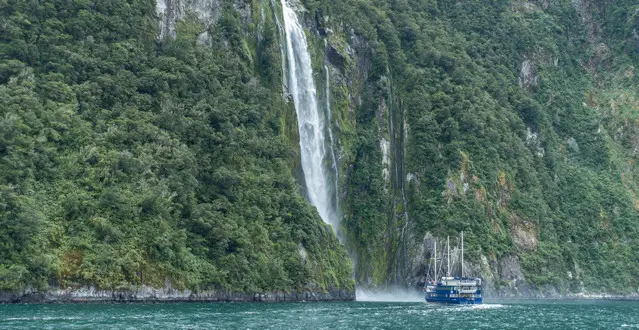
(147, 294)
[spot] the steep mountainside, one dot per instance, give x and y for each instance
(130, 160)
(516, 122)
(156, 143)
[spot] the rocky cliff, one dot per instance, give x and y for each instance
(495, 119)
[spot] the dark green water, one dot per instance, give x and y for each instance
(344, 315)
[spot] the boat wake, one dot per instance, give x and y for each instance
(477, 307)
(487, 306)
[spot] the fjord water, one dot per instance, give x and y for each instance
(335, 315)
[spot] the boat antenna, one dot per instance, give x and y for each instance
(462, 254)
(448, 256)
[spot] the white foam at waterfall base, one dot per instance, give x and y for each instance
(311, 123)
(391, 295)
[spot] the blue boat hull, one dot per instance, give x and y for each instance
(454, 301)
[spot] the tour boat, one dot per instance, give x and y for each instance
(453, 289)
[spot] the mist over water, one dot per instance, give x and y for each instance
(392, 295)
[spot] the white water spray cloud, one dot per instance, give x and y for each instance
(391, 295)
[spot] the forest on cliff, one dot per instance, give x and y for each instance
(154, 145)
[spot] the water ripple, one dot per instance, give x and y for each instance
(346, 315)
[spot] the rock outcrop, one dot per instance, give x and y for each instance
(148, 294)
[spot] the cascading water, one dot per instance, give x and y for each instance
(310, 122)
(319, 161)
(330, 135)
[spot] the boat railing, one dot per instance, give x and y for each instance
(468, 290)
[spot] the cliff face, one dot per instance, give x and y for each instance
(170, 12)
(501, 120)
(496, 119)
(157, 141)
(148, 145)
(145, 294)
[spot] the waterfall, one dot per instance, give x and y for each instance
(329, 120)
(310, 122)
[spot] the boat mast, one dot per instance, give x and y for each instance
(435, 259)
(448, 256)
(462, 255)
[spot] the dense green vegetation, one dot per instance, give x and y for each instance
(538, 165)
(130, 160)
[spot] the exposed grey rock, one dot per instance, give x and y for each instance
(524, 7)
(204, 38)
(572, 144)
(532, 139)
(244, 8)
(523, 233)
(303, 253)
(412, 177)
(148, 294)
(334, 56)
(171, 11)
(451, 186)
(361, 54)
(634, 138)
(528, 75)
(385, 147)
(510, 270)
